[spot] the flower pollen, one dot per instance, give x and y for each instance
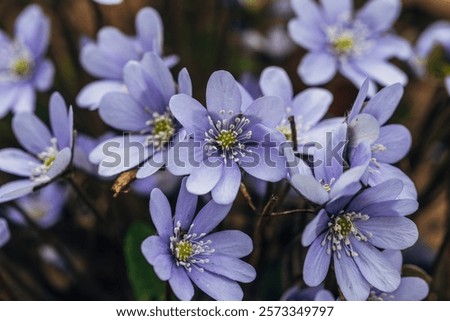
(22, 67)
(162, 130)
(48, 156)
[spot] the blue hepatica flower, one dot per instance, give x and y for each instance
(144, 113)
(388, 143)
(307, 107)
(227, 139)
(47, 153)
(4, 232)
(43, 207)
(436, 35)
(351, 235)
(23, 68)
(107, 58)
(358, 46)
(185, 251)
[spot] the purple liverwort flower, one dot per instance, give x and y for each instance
(228, 139)
(410, 288)
(43, 206)
(317, 293)
(307, 107)
(358, 46)
(144, 113)
(4, 232)
(185, 251)
(23, 68)
(48, 153)
(426, 58)
(351, 234)
(388, 143)
(107, 58)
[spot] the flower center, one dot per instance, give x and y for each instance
(343, 44)
(340, 228)
(327, 186)
(348, 38)
(286, 131)
(228, 137)
(162, 130)
(376, 148)
(48, 156)
(22, 67)
(379, 296)
(188, 249)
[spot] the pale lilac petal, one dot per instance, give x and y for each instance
(228, 186)
(181, 284)
(359, 101)
(152, 247)
(4, 232)
(379, 272)
(222, 93)
(305, 35)
(203, 178)
(163, 266)
(149, 29)
(186, 206)
(396, 207)
(314, 228)
(122, 112)
(8, 96)
(382, 72)
(393, 233)
(396, 140)
(337, 10)
(16, 189)
(61, 163)
(317, 68)
(189, 112)
(209, 217)
(43, 78)
(357, 77)
(317, 263)
(266, 110)
(275, 81)
(26, 101)
(217, 287)
(91, 95)
(161, 214)
(152, 165)
(379, 15)
(230, 242)
(184, 82)
(31, 132)
(60, 121)
(364, 128)
(410, 289)
(353, 285)
(384, 103)
(310, 188)
(17, 162)
(230, 267)
(390, 46)
(384, 172)
(32, 28)
(307, 10)
(100, 64)
(155, 67)
(311, 105)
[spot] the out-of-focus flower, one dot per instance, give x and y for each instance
(358, 46)
(388, 143)
(350, 231)
(48, 153)
(143, 112)
(228, 139)
(185, 251)
(23, 67)
(432, 52)
(307, 107)
(108, 1)
(4, 232)
(317, 293)
(43, 207)
(107, 58)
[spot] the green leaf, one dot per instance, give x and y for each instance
(144, 282)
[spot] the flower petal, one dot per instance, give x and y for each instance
(152, 247)
(17, 162)
(163, 266)
(61, 163)
(410, 289)
(317, 263)
(384, 103)
(317, 68)
(91, 95)
(161, 214)
(267, 110)
(186, 207)
(302, 33)
(160, 74)
(217, 287)
(184, 82)
(16, 189)
(315, 228)
(230, 267)
(396, 140)
(31, 132)
(181, 284)
(43, 77)
(209, 217)
(382, 72)
(60, 121)
(379, 272)
(275, 81)
(222, 93)
(4, 232)
(335, 10)
(379, 15)
(353, 285)
(228, 186)
(311, 105)
(384, 172)
(363, 128)
(149, 30)
(230, 242)
(203, 178)
(311, 189)
(189, 112)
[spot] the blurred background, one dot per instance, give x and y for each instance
(82, 257)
